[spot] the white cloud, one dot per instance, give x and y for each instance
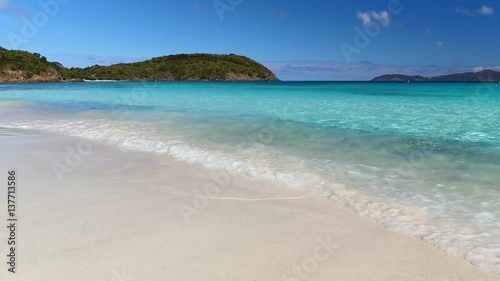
(480, 68)
(330, 70)
(460, 10)
(440, 43)
(367, 18)
(382, 17)
(483, 11)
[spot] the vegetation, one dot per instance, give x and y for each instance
(184, 67)
(21, 66)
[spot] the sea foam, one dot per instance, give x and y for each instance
(415, 220)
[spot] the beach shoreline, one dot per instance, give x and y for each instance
(147, 217)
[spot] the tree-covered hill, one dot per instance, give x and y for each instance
(20, 66)
(184, 67)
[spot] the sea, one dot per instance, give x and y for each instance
(421, 159)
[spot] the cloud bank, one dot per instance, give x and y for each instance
(481, 68)
(483, 11)
(362, 71)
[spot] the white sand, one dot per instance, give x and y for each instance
(116, 217)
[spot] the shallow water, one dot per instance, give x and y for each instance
(423, 159)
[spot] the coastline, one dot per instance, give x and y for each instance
(142, 80)
(247, 81)
(119, 213)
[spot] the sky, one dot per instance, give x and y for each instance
(296, 39)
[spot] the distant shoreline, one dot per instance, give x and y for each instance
(257, 81)
(486, 75)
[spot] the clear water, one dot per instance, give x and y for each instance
(423, 159)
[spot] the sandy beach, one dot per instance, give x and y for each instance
(118, 215)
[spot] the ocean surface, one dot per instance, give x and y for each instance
(422, 159)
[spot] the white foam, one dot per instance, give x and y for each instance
(455, 239)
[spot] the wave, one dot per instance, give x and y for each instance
(255, 160)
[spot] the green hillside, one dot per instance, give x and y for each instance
(184, 67)
(20, 66)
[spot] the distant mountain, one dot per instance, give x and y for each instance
(481, 76)
(399, 78)
(24, 67)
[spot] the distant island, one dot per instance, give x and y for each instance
(481, 76)
(25, 67)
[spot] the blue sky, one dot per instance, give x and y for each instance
(297, 39)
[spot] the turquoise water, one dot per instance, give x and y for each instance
(423, 159)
